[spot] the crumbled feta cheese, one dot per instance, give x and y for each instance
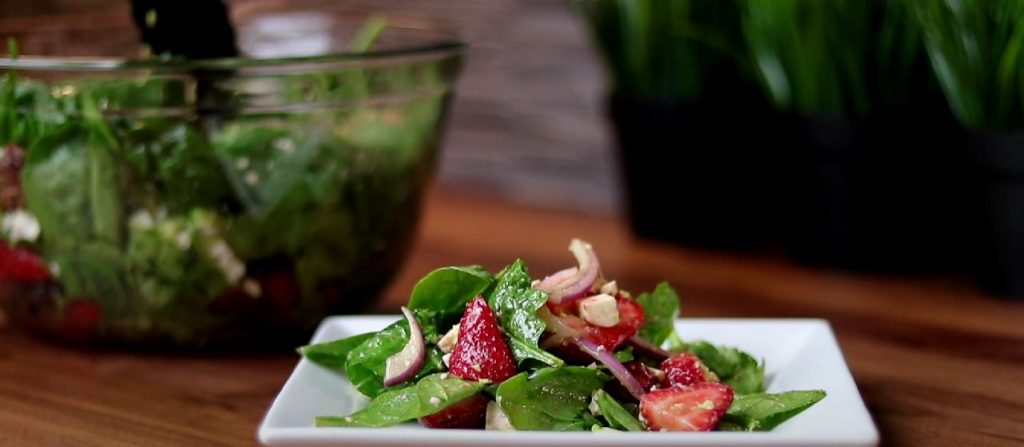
(447, 343)
(600, 310)
(184, 240)
(227, 262)
(594, 408)
(447, 359)
(252, 179)
(496, 419)
(443, 376)
(610, 288)
(605, 430)
(435, 401)
(20, 225)
(252, 287)
(141, 219)
(285, 145)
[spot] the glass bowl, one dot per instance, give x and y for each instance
(215, 203)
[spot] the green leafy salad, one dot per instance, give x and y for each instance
(568, 352)
(131, 211)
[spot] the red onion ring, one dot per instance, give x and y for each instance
(616, 367)
(404, 364)
(561, 287)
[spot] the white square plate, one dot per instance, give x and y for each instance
(799, 354)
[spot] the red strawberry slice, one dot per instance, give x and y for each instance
(685, 369)
(686, 408)
(481, 352)
(19, 264)
(81, 318)
(644, 375)
(565, 327)
(467, 413)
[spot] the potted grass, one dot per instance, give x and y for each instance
(977, 48)
(688, 115)
(864, 176)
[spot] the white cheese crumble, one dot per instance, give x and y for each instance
(252, 179)
(610, 288)
(435, 401)
(600, 310)
(227, 262)
(20, 225)
(496, 419)
(447, 343)
(252, 287)
(594, 408)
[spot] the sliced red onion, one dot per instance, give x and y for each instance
(616, 367)
(563, 287)
(647, 348)
(560, 330)
(406, 363)
(556, 280)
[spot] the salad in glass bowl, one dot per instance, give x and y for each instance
(220, 202)
(569, 352)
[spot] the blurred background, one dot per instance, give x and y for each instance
(870, 136)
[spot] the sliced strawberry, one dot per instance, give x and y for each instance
(467, 413)
(685, 369)
(565, 327)
(282, 292)
(81, 318)
(644, 375)
(481, 352)
(19, 264)
(647, 378)
(686, 408)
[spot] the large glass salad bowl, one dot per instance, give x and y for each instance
(223, 202)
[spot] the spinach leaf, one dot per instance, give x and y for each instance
(766, 411)
(734, 367)
(367, 361)
(430, 395)
(661, 307)
(333, 354)
(169, 260)
(515, 303)
(52, 180)
(551, 399)
(446, 291)
(617, 416)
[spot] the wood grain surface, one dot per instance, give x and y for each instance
(938, 364)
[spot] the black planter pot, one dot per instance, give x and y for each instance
(886, 195)
(694, 173)
(1000, 161)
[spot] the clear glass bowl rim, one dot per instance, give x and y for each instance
(452, 44)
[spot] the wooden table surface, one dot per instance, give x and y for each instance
(937, 364)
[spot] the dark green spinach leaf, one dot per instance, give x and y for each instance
(516, 303)
(445, 291)
(333, 354)
(551, 399)
(732, 366)
(661, 307)
(766, 411)
(617, 416)
(430, 395)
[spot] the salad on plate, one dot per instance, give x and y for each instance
(569, 352)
